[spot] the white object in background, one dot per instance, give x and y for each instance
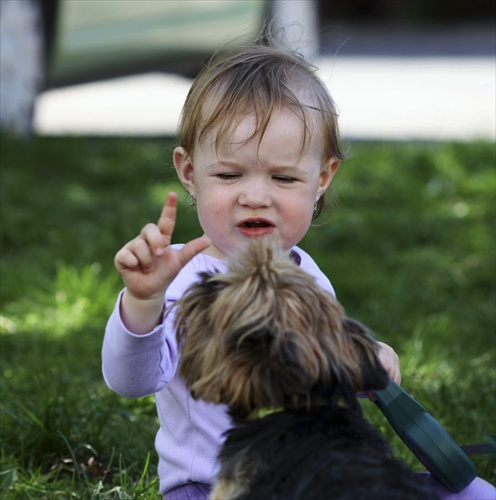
(405, 98)
(139, 105)
(299, 21)
(22, 63)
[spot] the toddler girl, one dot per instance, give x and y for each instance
(259, 147)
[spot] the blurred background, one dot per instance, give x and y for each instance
(396, 68)
(90, 96)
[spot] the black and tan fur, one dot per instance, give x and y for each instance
(264, 339)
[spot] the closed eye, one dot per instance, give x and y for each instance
(285, 180)
(227, 177)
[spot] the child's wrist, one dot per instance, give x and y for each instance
(141, 315)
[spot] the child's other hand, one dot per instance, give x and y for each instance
(390, 361)
(148, 264)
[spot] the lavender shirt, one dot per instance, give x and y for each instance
(134, 366)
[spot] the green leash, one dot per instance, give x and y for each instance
(428, 441)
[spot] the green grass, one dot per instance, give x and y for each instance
(410, 249)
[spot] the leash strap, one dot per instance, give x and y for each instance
(481, 449)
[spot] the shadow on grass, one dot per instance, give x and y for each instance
(61, 425)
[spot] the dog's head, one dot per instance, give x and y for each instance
(264, 334)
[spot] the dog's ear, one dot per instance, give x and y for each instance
(373, 375)
(200, 351)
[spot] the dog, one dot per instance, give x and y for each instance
(264, 339)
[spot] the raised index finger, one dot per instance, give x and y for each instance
(167, 219)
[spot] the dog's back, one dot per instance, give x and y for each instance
(318, 454)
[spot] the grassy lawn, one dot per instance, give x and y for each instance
(410, 249)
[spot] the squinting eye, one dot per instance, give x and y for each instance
(228, 177)
(285, 180)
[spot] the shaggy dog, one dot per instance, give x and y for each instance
(268, 342)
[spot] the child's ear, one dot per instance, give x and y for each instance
(184, 168)
(329, 168)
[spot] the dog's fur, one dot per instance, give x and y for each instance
(265, 338)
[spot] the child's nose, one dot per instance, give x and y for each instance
(255, 195)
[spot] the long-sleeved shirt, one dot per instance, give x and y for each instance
(191, 431)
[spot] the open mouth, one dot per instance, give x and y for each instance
(255, 227)
(255, 224)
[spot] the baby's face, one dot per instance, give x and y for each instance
(251, 189)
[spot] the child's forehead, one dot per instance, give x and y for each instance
(283, 143)
(287, 123)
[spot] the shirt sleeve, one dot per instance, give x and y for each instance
(311, 267)
(137, 365)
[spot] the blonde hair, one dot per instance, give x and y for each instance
(262, 79)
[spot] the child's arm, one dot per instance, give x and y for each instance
(148, 266)
(134, 364)
(390, 361)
